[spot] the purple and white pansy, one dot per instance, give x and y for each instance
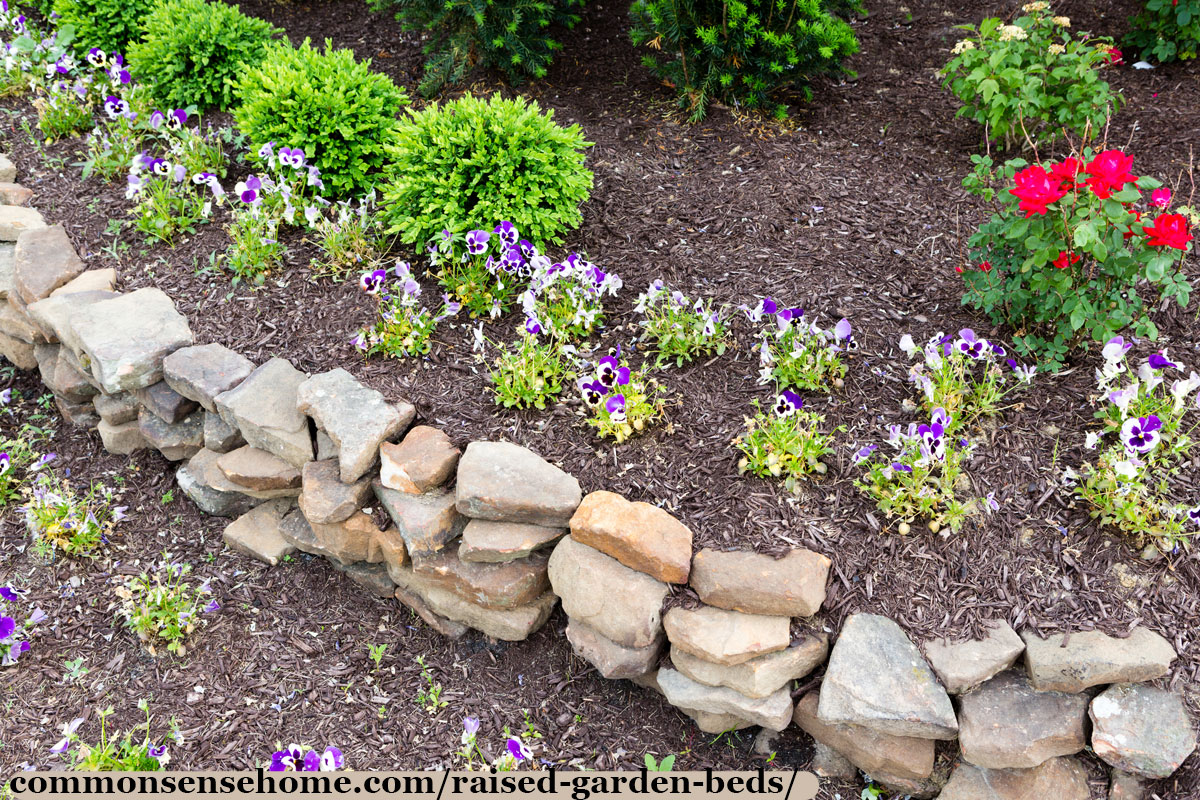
(477, 242)
(788, 403)
(295, 758)
(1141, 434)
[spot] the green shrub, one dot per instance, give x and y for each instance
(739, 52)
(1166, 30)
(1031, 78)
(339, 112)
(510, 35)
(108, 24)
(469, 160)
(193, 51)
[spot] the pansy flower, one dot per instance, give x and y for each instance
(373, 282)
(161, 167)
(527, 248)
(863, 453)
(1140, 434)
(267, 151)
(1194, 515)
(615, 406)
(115, 106)
(292, 157)
(518, 750)
(176, 119)
(249, 190)
(68, 732)
(788, 403)
(969, 345)
(332, 759)
(507, 233)
(1160, 361)
(97, 57)
(5, 463)
(843, 335)
(287, 760)
(593, 391)
(156, 119)
(533, 325)
(477, 242)
(158, 753)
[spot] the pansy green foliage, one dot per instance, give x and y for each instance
(19, 460)
(679, 329)
(170, 201)
(478, 269)
(193, 51)
(1145, 440)
(347, 234)
(797, 353)
(531, 373)
(917, 477)
(64, 520)
(111, 25)
(471, 159)
(1032, 78)
(64, 111)
(1166, 30)
(513, 36)
(133, 752)
(404, 326)
(622, 402)
(1077, 249)
(334, 108)
(565, 299)
(740, 52)
(787, 443)
(162, 606)
(33, 55)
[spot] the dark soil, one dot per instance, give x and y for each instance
(855, 211)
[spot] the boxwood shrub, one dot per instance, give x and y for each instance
(342, 114)
(475, 163)
(108, 24)
(193, 51)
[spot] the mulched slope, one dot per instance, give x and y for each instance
(858, 212)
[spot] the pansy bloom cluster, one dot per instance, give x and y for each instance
(516, 751)
(1076, 250)
(483, 270)
(162, 607)
(14, 636)
(795, 352)
(680, 329)
(298, 758)
(622, 401)
(1144, 441)
(786, 443)
(60, 519)
(404, 326)
(564, 299)
(128, 753)
(964, 374)
(347, 234)
(170, 200)
(915, 477)
(31, 57)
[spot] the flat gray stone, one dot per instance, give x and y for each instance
(16, 221)
(507, 585)
(92, 280)
(1123, 786)
(7, 266)
(17, 325)
(44, 260)
(1058, 778)
(124, 339)
(487, 541)
(60, 375)
(446, 627)
(427, 522)
(53, 315)
(8, 170)
(324, 498)
(19, 353)
(610, 659)
(1142, 730)
(356, 418)
(962, 666)
(257, 469)
(202, 372)
(122, 439)
(80, 414)
(708, 722)
(345, 542)
(176, 442)
(257, 532)
(829, 763)
(424, 460)
(508, 483)
(1090, 658)
(1007, 724)
(208, 499)
(792, 586)
(773, 712)
(725, 637)
(878, 679)
(164, 402)
(219, 436)
(758, 677)
(263, 408)
(622, 604)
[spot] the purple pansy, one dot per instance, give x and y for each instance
(292, 157)
(518, 750)
(373, 282)
(157, 752)
(9, 594)
(5, 463)
(606, 370)
(1194, 516)
(533, 325)
(115, 106)
(8, 626)
(593, 391)
(332, 759)
(97, 57)
(615, 406)
(1141, 434)
(249, 191)
(176, 119)
(788, 403)
(969, 345)
(67, 732)
(471, 725)
(1160, 361)
(5, 397)
(290, 758)
(1115, 348)
(157, 118)
(477, 242)
(863, 453)
(507, 233)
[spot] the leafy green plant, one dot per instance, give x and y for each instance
(1166, 30)
(334, 108)
(404, 327)
(254, 249)
(348, 237)
(514, 36)
(458, 163)
(375, 652)
(62, 520)
(665, 765)
(787, 443)
(565, 299)
(193, 51)
(531, 373)
(63, 111)
(740, 52)
(680, 329)
(32, 55)
(133, 752)
(621, 402)
(169, 202)
(1031, 79)
(1073, 252)
(161, 606)
(476, 269)
(429, 696)
(108, 24)
(796, 353)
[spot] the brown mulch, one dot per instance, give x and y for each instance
(858, 211)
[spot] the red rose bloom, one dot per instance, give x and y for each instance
(1067, 171)
(1062, 261)
(959, 269)
(1115, 56)
(1109, 172)
(1169, 230)
(1036, 190)
(986, 266)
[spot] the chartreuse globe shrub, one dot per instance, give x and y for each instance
(739, 52)
(1166, 30)
(513, 36)
(334, 108)
(473, 159)
(1031, 80)
(193, 51)
(108, 24)
(1078, 249)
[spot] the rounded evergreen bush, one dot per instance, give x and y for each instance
(108, 24)
(334, 108)
(474, 163)
(192, 51)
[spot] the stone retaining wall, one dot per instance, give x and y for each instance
(492, 537)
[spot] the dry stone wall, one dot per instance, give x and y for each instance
(492, 537)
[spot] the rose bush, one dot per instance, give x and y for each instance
(1166, 30)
